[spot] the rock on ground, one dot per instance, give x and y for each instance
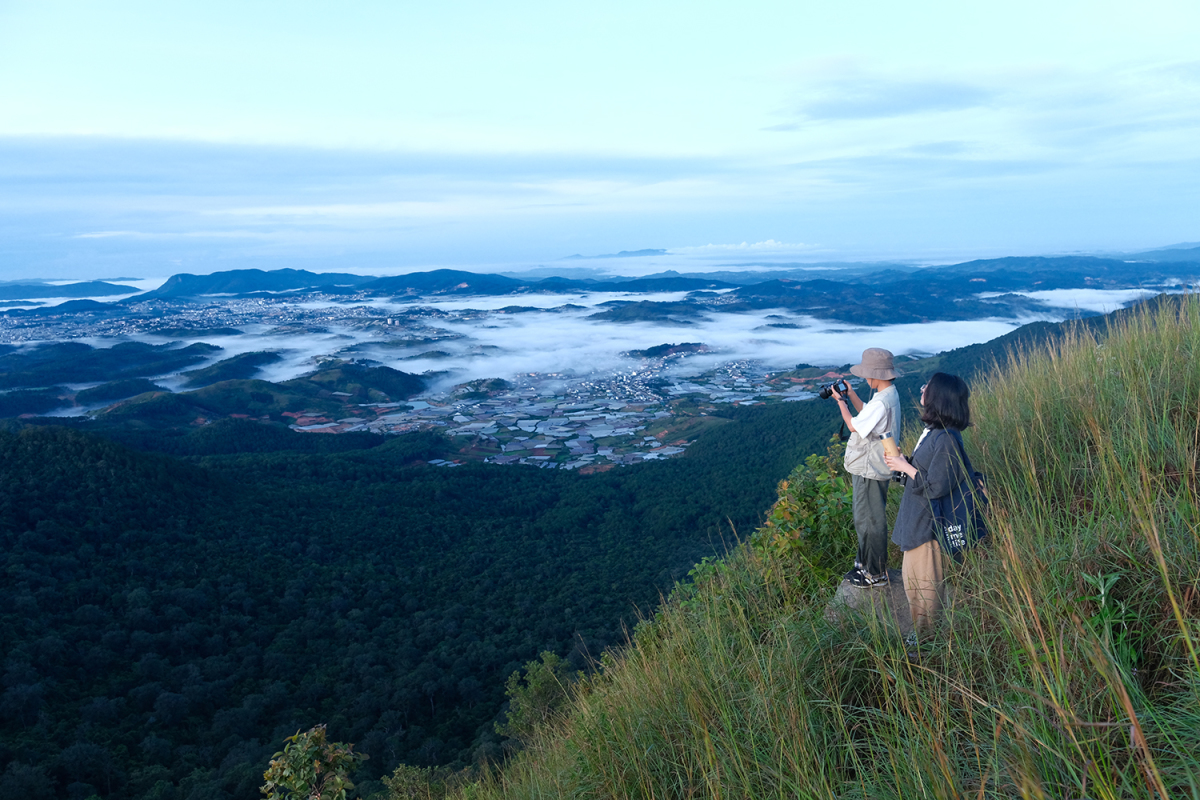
(887, 603)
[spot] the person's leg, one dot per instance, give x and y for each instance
(870, 522)
(922, 568)
(858, 509)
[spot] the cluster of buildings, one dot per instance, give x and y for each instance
(162, 315)
(553, 422)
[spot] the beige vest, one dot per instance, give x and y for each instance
(864, 454)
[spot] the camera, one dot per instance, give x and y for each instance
(838, 387)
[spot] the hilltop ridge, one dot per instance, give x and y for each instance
(1068, 666)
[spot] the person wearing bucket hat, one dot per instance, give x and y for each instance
(870, 475)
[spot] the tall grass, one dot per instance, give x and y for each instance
(1068, 666)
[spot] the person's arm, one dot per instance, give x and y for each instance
(846, 418)
(939, 477)
(870, 416)
(854, 398)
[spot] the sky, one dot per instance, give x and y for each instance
(141, 139)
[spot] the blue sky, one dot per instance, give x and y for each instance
(145, 138)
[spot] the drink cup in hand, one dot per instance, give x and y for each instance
(889, 445)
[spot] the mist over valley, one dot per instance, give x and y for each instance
(454, 327)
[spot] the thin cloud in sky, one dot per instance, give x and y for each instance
(903, 167)
(943, 148)
(400, 209)
(876, 98)
(101, 205)
(169, 235)
(1016, 110)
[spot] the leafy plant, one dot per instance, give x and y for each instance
(1112, 618)
(705, 571)
(808, 526)
(414, 783)
(310, 768)
(538, 696)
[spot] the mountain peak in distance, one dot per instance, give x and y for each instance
(622, 254)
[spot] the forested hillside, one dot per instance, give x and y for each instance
(167, 621)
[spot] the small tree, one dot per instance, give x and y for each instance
(537, 697)
(310, 768)
(810, 528)
(415, 783)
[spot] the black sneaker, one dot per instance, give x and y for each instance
(912, 648)
(865, 580)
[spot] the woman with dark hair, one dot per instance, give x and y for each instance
(935, 470)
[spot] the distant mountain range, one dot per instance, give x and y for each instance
(1009, 274)
(862, 293)
(30, 290)
(1023, 273)
(250, 282)
(242, 281)
(1189, 251)
(971, 290)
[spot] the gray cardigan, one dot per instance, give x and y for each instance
(939, 471)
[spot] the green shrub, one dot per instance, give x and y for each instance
(413, 783)
(310, 768)
(535, 698)
(810, 529)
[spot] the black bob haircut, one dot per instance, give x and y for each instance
(947, 402)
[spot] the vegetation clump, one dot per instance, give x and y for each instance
(481, 388)
(805, 531)
(536, 696)
(76, 362)
(661, 350)
(311, 768)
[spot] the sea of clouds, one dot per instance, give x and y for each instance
(556, 339)
(492, 343)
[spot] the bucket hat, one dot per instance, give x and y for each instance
(876, 363)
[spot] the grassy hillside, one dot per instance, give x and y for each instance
(1069, 665)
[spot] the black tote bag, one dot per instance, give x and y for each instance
(960, 518)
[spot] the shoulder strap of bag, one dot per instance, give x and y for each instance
(974, 479)
(962, 451)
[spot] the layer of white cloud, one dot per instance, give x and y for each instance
(569, 341)
(1097, 301)
(765, 247)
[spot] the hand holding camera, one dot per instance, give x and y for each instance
(837, 387)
